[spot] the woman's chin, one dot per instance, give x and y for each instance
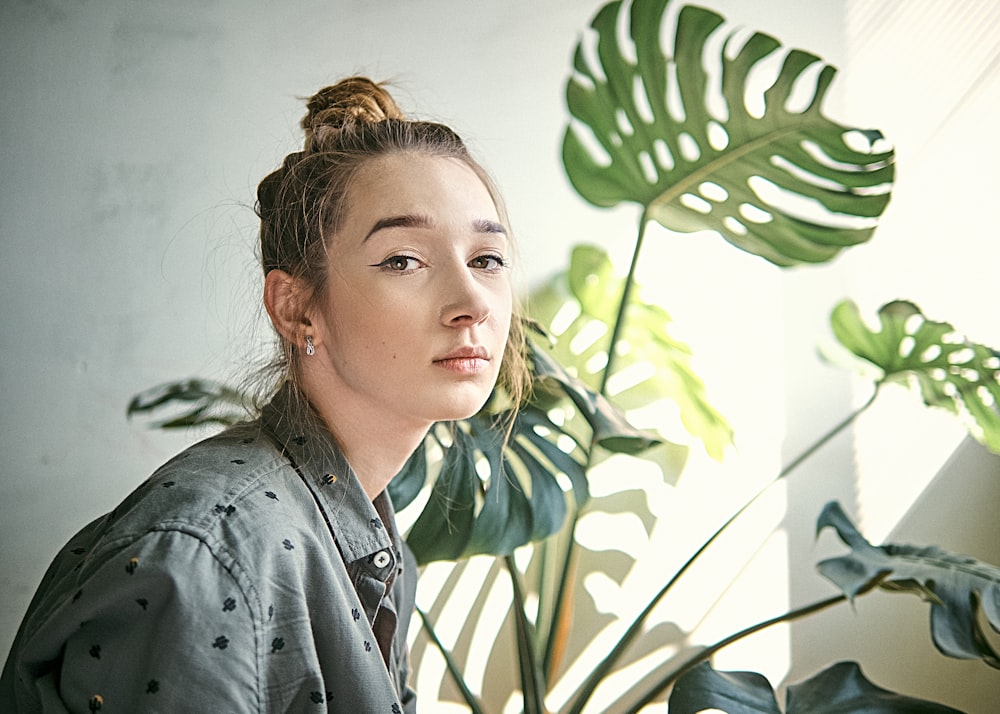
(463, 408)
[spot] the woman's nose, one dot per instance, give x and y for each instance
(465, 301)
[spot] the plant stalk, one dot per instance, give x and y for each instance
(602, 669)
(532, 682)
(453, 669)
(616, 331)
(569, 560)
(709, 651)
(560, 618)
(822, 441)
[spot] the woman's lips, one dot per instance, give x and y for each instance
(465, 361)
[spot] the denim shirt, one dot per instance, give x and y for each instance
(251, 573)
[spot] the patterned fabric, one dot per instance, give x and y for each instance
(251, 573)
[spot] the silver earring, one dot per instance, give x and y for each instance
(310, 347)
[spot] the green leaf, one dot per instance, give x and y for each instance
(843, 689)
(610, 428)
(488, 496)
(200, 402)
(840, 689)
(651, 364)
(653, 126)
(732, 692)
(445, 525)
(950, 371)
(407, 484)
(957, 586)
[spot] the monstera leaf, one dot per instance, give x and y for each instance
(491, 496)
(840, 689)
(950, 371)
(957, 586)
(201, 402)
(579, 307)
(656, 127)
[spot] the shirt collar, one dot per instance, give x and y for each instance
(307, 443)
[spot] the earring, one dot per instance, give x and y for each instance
(310, 347)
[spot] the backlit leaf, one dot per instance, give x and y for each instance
(949, 370)
(730, 139)
(651, 366)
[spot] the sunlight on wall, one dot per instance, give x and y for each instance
(465, 590)
(751, 327)
(731, 334)
(900, 446)
(704, 605)
(936, 245)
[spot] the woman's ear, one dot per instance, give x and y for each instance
(285, 300)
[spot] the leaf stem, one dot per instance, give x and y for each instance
(709, 651)
(558, 618)
(568, 565)
(474, 706)
(822, 441)
(602, 669)
(532, 682)
(623, 304)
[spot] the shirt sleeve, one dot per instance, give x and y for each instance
(161, 626)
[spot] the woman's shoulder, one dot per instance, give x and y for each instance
(229, 491)
(232, 498)
(204, 481)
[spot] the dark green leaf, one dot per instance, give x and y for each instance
(957, 586)
(652, 126)
(536, 435)
(445, 525)
(490, 497)
(521, 500)
(732, 692)
(840, 689)
(407, 484)
(843, 689)
(950, 371)
(548, 500)
(505, 520)
(199, 402)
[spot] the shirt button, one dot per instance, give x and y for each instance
(382, 559)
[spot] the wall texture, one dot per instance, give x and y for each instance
(133, 136)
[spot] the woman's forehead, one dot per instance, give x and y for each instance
(414, 189)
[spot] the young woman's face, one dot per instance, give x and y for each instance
(418, 300)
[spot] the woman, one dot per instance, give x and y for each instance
(261, 570)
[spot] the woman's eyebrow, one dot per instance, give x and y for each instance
(416, 220)
(409, 220)
(484, 225)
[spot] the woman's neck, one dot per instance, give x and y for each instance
(374, 457)
(376, 445)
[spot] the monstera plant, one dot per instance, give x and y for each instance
(700, 139)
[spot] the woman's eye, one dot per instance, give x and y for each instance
(399, 263)
(487, 262)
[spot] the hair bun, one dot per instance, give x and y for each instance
(349, 101)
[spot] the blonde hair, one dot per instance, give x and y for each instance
(304, 201)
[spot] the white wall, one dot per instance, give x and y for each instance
(133, 136)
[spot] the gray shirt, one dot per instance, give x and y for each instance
(251, 573)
